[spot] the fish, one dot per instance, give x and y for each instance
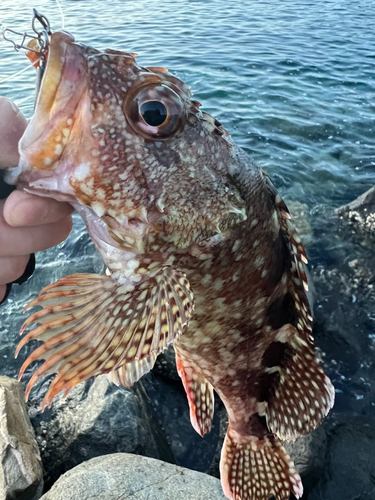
(200, 252)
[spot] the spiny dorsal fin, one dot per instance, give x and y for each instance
(157, 69)
(200, 396)
(296, 248)
(301, 394)
(90, 325)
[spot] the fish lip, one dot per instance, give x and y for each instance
(54, 69)
(60, 93)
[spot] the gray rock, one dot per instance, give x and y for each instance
(21, 474)
(361, 212)
(350, 469)
(122, 476)
(344, 327)
(171, 405)
(308, 454)
(97, 418)
(165, 364)
(223, 426)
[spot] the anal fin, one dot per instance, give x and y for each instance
(257, 469)
(200, 396)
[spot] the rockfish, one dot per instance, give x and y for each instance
(200, 253)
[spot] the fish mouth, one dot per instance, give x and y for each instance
(58, 98)
(62, 72)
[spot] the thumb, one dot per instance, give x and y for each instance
(12, 126)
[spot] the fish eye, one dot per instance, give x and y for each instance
(154, 111)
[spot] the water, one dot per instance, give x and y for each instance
(293, 82)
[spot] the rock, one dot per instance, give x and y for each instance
(165, 389)
(165, 364)
(97, 418)
(308, 453)
(123, 476)
(223, 425)
(360, 213)
(21, 473)
(171, 405)
(350, 468)
(344, 326)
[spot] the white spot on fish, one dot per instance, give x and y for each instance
(259, 261)
(98, 208)
(276, 219)
(218, 284)
(100, 193)
(236, 245)
(58, 149)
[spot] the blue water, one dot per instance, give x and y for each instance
(293, 82)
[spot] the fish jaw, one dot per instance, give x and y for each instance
(63, 85)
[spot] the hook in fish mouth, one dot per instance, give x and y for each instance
(41, 36)
(36, 46)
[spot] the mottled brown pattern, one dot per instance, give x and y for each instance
(200, 252)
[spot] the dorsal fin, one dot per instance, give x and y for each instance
(157, 69)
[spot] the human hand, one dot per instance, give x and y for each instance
(28, 223)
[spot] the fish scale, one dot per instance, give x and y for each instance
(200, 253)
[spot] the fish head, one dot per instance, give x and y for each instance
(129, 143)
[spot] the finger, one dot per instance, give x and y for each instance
(24, 209)
(23, 240)
(12, 268)
(12, 126)
(3, 289)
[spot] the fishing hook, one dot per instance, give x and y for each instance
(41, 35)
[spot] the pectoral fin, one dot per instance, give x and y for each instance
(129, 374)
(92, 325)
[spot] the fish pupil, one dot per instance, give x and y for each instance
(154, 113)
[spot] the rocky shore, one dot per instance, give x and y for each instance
(107, 442)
